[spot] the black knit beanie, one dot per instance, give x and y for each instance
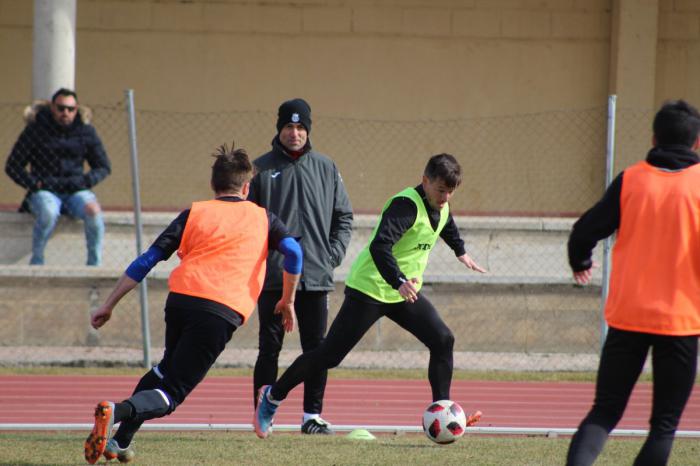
(294, 111)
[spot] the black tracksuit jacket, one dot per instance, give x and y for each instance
(309, 196)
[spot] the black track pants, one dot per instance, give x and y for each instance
(352, 322)
(674, 361)
(193, 341)
(312, 319)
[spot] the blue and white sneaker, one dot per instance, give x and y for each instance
(264, 413)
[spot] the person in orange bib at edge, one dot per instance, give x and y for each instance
(223, 245)
(385, 280)
(654, 300)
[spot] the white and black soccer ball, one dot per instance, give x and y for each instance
(444, 421)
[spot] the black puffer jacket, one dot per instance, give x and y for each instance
(309, 196)
(55, 155)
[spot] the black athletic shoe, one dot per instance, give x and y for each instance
(317, 426)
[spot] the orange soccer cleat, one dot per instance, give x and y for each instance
(97, 440)
(473, 418)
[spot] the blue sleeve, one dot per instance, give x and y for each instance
(293, 257)
(144, 263)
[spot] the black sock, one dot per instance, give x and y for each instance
(123, 411)
(126, 432)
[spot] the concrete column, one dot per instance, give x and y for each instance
(54, 47)
(633, 74)
(633, 54)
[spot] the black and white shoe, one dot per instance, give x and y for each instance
(317, 426)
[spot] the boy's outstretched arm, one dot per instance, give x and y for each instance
(100, 316)
(136, 271)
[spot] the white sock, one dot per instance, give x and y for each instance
(308, 416)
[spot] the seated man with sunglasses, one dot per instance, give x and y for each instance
(48, 161)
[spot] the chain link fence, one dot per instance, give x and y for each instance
(526, 178)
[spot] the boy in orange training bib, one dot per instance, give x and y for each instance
(654, 300)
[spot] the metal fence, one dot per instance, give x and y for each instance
(548, 163)
(526, 178)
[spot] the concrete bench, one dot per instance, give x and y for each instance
(514, 249)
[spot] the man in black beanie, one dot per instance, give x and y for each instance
(305, 190)
(295, 111)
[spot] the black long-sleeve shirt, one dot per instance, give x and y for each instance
(169, 239)
(308, 194)
(603, 219)
(398, 217)
(169, 242)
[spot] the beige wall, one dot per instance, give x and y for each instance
(395, 60)
(678, 51)
(384, 60)
(655, 57)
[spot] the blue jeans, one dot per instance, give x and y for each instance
(47, 207)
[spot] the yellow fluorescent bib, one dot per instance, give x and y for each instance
(411, 253)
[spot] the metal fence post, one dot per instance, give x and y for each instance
(143, 288)
(607, 245)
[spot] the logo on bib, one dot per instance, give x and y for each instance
(295, 118)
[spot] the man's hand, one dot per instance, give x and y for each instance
(408, 291)
(470, 264)
(288, 316)
(100, 316)
(583, 277)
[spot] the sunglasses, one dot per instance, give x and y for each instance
(63, 108)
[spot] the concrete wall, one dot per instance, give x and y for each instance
(355, 58)
(525, 305)
(655, 57)
(499, 318)
(678, 51)
(385, 60)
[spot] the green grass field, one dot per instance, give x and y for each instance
(209, 448)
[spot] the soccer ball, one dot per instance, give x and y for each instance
(444, 421)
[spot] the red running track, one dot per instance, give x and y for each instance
(228, 400)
